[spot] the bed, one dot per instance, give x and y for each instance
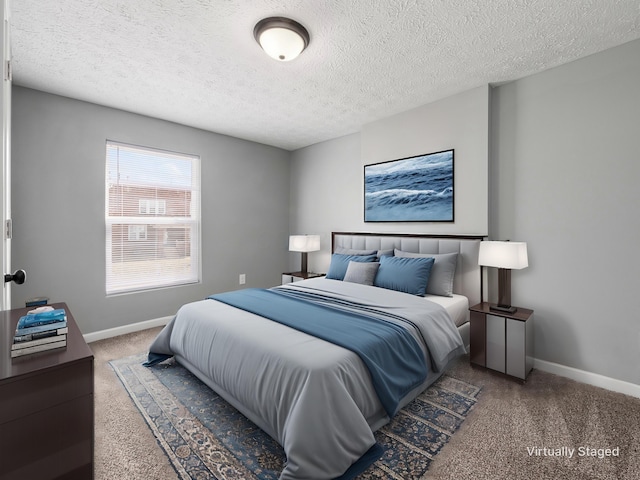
(304, 362)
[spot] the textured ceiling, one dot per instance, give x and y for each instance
(196, 62)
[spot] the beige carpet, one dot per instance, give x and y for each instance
(125, 448)
(510, 420)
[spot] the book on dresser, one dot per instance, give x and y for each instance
(39, 331)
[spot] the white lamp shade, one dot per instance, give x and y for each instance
(304, 243)
(511, 255)
(281, 44)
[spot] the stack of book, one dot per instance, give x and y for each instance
(40, 331)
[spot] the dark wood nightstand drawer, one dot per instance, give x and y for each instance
(502, 341)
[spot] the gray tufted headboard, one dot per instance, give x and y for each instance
(468, 280)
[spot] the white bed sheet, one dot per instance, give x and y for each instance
(457, 307)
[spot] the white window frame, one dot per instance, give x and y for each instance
(190, 273)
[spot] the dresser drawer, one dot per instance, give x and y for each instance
(50, 444)
(45, 389)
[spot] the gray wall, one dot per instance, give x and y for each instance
(327, 179)
(565, 179)
(460, 122)
(58, 162)
(325, 194)
(563, 176)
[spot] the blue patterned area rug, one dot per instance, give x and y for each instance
(206, 438)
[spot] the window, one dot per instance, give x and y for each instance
(152, 218)
(137, 232)
(152, 206)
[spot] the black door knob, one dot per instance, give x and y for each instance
(19, 276)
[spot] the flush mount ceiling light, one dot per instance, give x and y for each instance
(282, 38)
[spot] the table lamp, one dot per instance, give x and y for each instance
(304, 244)
(505, 256)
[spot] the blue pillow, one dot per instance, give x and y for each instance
(340, 263)
(442, 273)
(409, 275)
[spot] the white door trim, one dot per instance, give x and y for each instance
(5, 181)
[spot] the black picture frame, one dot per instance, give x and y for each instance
(411, 189)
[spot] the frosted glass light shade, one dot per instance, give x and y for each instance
(281, 38)
(304, 243)
(511, 255)
(281, 44)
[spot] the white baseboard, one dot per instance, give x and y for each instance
(589, 378)
(134, 327)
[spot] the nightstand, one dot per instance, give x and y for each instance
(502, 341)
(289, 277)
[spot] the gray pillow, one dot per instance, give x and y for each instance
(442, 273)
(353, 251)
(360, 272)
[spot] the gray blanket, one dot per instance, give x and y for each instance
(315, 398)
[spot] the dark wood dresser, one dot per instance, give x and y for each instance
(46, 407)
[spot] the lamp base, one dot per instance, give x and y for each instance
(503, 308)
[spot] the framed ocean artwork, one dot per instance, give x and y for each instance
(413, 189)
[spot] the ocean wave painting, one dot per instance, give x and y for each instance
(414, 189)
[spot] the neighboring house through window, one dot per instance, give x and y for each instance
(152, 218)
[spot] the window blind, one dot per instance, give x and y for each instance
(152, 218)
